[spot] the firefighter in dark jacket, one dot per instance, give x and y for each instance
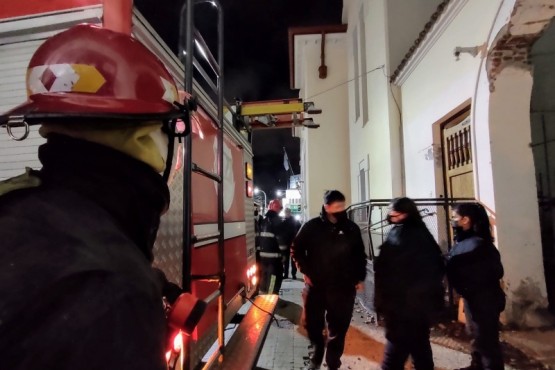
(329, 251)
(474, 269)
(77, 287)
(271, 255)
(408, 287)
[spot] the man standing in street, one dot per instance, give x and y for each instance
(330, 253)
(289, 230)
(271, 255)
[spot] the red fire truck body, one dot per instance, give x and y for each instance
(23, 27)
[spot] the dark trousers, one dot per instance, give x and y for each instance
(333, 305)
(271, 275)
(407, 336)
(288, 260)
(483, 326)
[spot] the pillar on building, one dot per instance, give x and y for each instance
(507, 184)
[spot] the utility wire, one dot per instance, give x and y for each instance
(382, 67)
(263, 310)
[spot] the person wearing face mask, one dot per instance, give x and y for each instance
(408, 287)
(329, 251)
(474, 269)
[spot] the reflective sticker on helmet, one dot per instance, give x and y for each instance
(170, 92)
(34, 83)
(64, 78)
(90, 79)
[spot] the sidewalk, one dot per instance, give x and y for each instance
(286, 346)
(537, 344)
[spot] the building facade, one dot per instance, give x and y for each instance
(324, 150)
(454, 99)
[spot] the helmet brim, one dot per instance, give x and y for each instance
(61, 106)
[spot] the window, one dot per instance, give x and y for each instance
(363, 69)
(355, 72)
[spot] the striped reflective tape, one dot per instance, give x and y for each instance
(283, 247)
(64, 77)
(267, 234)
(270, 255)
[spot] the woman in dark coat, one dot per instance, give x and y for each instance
(474, 269)
(409, 287)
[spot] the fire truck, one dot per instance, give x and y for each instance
(205, 242)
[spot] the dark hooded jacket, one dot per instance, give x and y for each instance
(474, 269)
(289, 229)
(409, 273)
(77, 287)
(330, 254)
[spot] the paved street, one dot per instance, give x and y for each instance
(286, 346)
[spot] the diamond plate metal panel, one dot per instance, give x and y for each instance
(168, 249)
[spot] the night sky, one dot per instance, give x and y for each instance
(256, 61)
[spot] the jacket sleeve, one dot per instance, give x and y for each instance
(380, 265)
(96, 321)
(359, 255)
(280, 230)
(299, 248)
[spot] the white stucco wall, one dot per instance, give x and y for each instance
(436, 86)
(504, 175)
(377, 138)
(325, 153)
(516, 217)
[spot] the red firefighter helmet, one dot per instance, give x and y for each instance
(88, 71)
(275, 205)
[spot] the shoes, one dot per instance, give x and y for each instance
(312, 366)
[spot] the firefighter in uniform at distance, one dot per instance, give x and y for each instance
(78, 290)
(270, 255)
(329, 251)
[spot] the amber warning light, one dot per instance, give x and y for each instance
(249, 173)
(251, 275)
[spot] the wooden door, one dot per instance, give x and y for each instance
(457, 155)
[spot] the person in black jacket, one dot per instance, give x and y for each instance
(329, 251)
(408, 287)
(474, 269)
(271, 256)
(76, 283)
(290, 227)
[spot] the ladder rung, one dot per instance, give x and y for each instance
(212, 296)
(204, 75)
(205, 173)
(207, 53)
(214, 277)
(203, 238)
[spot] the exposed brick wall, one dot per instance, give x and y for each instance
(514, 42)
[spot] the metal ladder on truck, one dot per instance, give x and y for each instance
(249, 350)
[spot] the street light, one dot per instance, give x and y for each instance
(279, 193)
(258, 190)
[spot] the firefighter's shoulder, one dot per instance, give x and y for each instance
(27, 180)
